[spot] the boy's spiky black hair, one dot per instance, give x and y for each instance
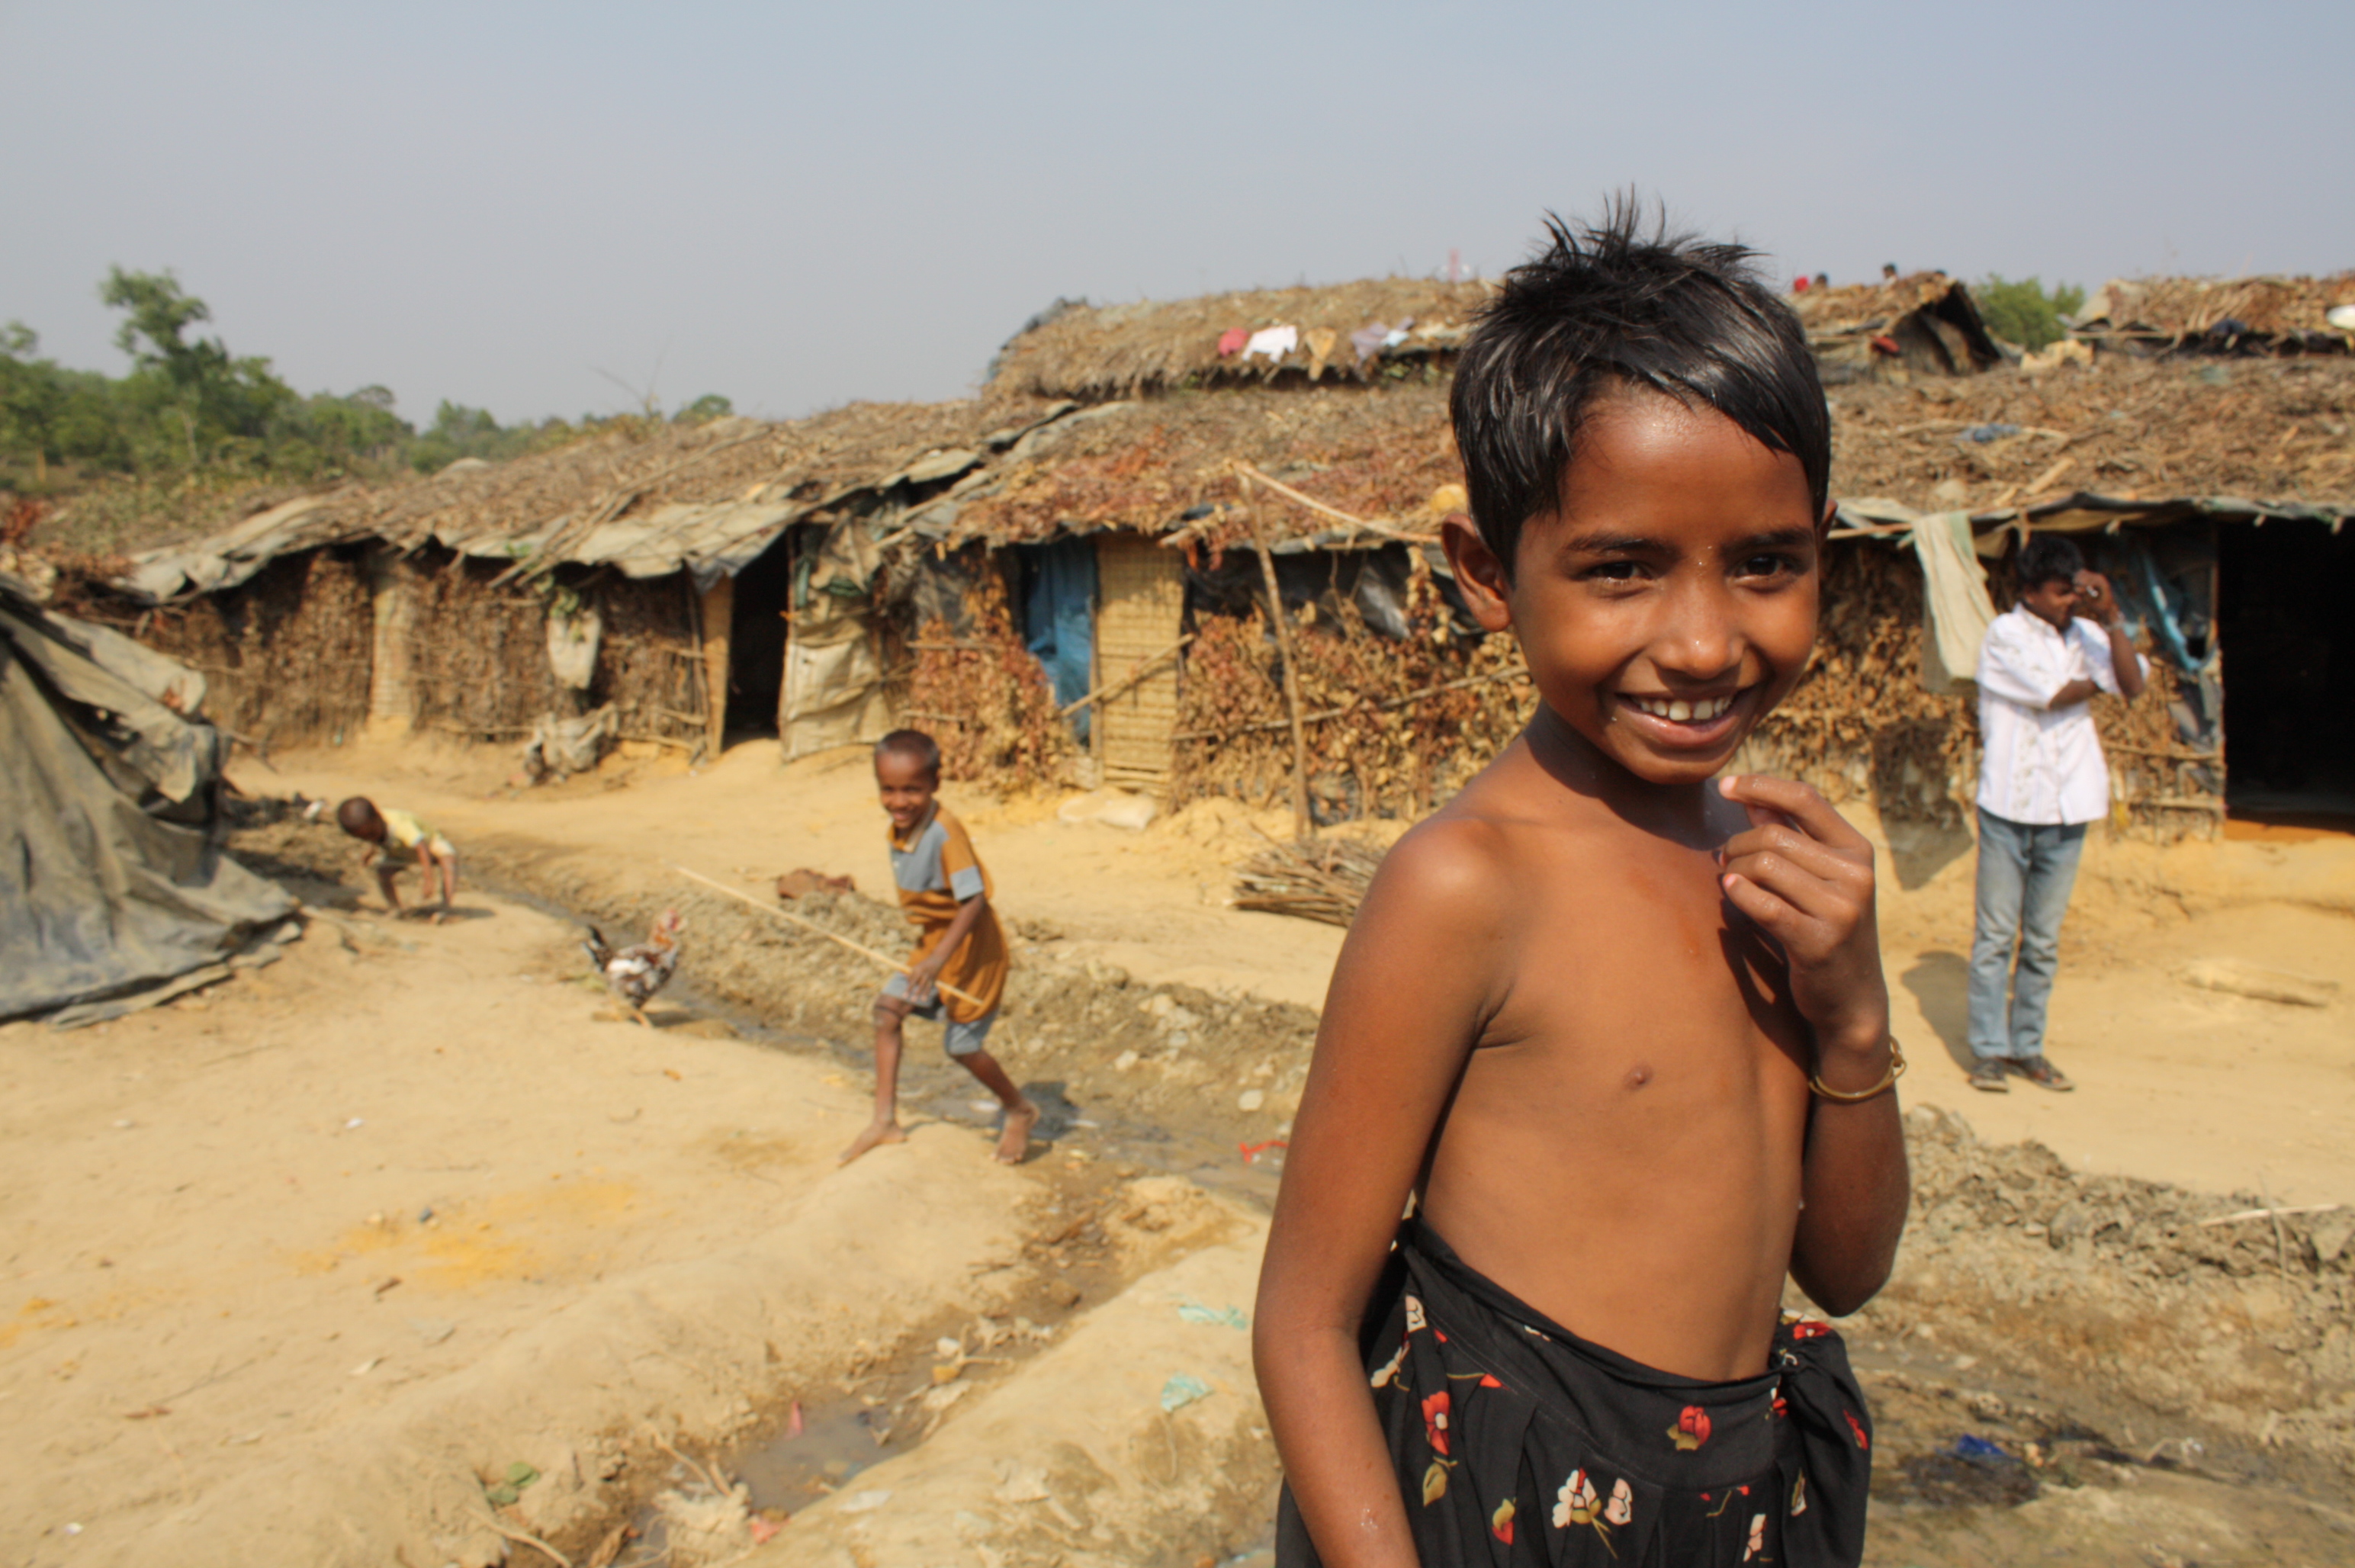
(1620, 303)
(2047, 558)
(916, 746)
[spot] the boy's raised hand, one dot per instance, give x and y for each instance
(1805, 878)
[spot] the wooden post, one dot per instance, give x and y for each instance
(718, 617)
(1302, 826)
(392, 649)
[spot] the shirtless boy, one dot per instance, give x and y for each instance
(394, 838)
(958, 972)
(1614, 1024)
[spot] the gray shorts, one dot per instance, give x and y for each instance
(962, 1039)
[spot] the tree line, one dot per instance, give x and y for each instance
(190, 409)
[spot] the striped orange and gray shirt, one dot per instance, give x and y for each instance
(936, 869)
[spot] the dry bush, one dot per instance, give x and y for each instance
(985, 698)
(1365, 760)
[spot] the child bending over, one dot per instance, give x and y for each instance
(1614, 1024)
(393, 839)
(945, 888)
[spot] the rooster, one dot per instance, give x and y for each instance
(635, 974)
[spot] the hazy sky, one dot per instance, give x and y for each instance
(797, 206)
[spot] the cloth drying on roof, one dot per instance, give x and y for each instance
(1320, 340)
(1954, 601)
(1275, 342)
(1231, 341)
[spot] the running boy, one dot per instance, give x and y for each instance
(945, 888)
(393, 839)
(1615, 1025)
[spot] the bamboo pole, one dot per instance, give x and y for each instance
(1107, 692)
(1516, 673)
(718, 625)
(1302, 826)
(1369, 524)
(883, 958)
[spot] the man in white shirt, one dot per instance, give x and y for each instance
(2042, 778)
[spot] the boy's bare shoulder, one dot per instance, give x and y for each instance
(1456, 864)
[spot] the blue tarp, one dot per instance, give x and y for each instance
(1060, 611)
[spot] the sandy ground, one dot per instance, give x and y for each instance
(2176, 1083)
(298, 1268)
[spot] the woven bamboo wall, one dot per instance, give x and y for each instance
(284, 657)
(1141, 596)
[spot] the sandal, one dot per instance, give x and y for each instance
(1987, 1074)
(2042, 1073)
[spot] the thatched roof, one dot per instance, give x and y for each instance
(1926, 321)
(2125, 439)
(2275, 314)
(703, 498)
(1092, 353)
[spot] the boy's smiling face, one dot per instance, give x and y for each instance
(1670, 603)
(906, 787)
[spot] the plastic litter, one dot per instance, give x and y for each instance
(1983, 433)
(1183, 1389)
(1979, 1451)
(1195, 1312)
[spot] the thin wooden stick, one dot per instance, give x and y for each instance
(525, 1537)
(1517, 673)
(885, 959)
(2270, 1213)
(1107, 692)
(1302, 827)
(1367, 524)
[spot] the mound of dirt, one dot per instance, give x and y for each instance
(2129, 1297)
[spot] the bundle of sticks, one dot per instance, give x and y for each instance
(1317, 879)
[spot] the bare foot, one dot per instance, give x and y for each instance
(1015, 1141)
(875, 1133)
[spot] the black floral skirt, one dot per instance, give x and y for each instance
(1517, 1444)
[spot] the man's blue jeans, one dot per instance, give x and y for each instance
(2025, 872)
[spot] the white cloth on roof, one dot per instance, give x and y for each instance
(2038, 764)
(1953, 598)
(1275, 342)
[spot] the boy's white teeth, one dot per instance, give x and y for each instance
(1679, 712)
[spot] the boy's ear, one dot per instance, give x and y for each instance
(1480, 577)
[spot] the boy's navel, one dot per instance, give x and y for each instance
(1638, 1075)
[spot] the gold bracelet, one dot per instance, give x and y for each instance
(1888, 1080)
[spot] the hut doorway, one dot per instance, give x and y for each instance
(756, 643)
(1142, 591)
(2282, 619)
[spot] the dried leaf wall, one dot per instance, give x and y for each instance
(985, 698)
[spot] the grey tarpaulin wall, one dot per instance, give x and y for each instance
(111, 875)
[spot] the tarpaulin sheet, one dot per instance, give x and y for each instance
(111, 875)
(1955, 599)
(1060, 615)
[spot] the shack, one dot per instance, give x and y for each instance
(1069, 577)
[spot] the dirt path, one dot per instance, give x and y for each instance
(2176, 1083)
(417, 1204)
(606, 1238)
